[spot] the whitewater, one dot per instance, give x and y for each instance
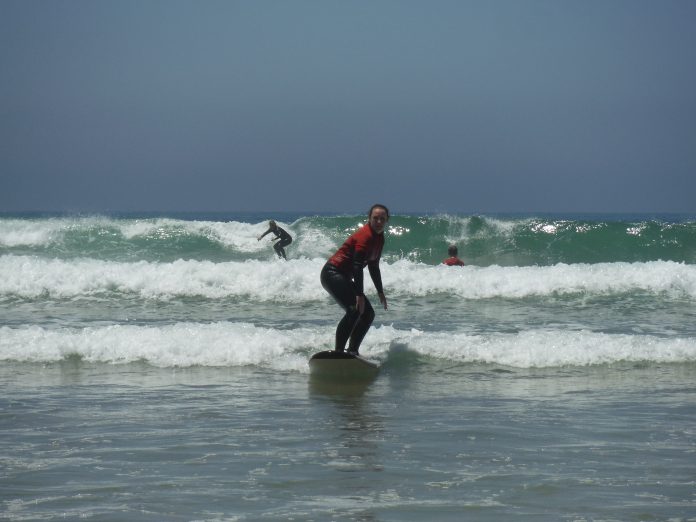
(296, 281)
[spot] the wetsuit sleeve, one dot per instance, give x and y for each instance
(266, 232)
(376, 275)
(358, 264)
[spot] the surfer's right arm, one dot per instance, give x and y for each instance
(261, 236)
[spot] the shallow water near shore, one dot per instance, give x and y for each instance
(424, 439)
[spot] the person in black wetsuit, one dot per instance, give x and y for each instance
(342, 278)
(282, 235)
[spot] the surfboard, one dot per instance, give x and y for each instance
(333, 364)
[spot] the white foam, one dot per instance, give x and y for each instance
(313, 242)
(146, 227)
(552, 348)
(183, 345)
(244, 344)
(21, 232)
(232, 234)
(30, 277)
(298, 279)
(237, 236)
(518, 282)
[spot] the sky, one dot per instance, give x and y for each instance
(460, 106)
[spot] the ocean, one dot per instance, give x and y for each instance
(154, 367)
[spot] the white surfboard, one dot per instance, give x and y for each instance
(333, 364)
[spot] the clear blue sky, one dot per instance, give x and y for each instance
(457, 106)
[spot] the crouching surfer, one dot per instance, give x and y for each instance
(283, 238)
(342, 278)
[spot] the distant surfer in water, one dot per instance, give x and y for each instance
(342, 278)
(453, 260)
(280, 234)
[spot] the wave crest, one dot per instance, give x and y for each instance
(243, 344)
(298, 280)
(482, 240)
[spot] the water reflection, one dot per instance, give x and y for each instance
(339, 388)
(353, 430)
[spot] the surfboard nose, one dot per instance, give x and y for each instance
(331, 364)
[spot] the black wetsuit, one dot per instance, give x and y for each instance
(342, 277)
(284, 239)
(353, 325)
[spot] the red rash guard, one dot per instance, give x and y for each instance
(453, 261)
(363, 248)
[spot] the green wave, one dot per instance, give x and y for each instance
(535, 241)
(481, 240)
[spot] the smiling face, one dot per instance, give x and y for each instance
(378, 219)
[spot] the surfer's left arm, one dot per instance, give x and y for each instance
(376, 275)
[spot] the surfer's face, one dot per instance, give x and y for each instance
(378, 219)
